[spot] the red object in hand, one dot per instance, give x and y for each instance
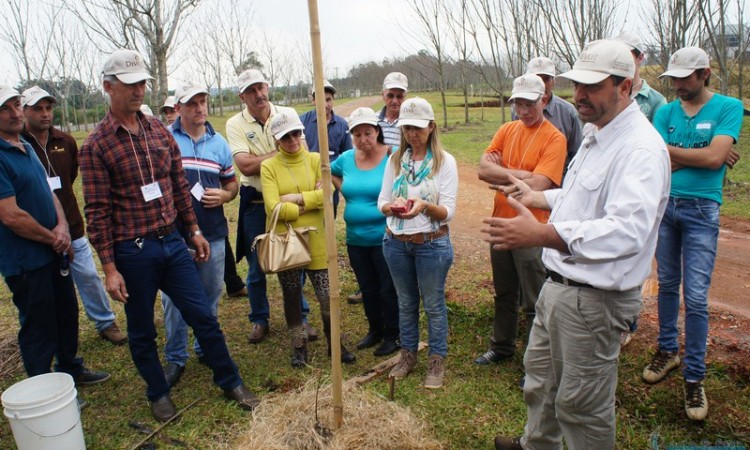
(404, 208)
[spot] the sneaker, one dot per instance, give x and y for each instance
(258, 333)
(696, 403)
(660, 366)
(113, 334)
(405, 364)
(506, 443)
(89, 377)
(625, 338)
(435, 372)
(490, 357)
(355, 298)
(312, 335)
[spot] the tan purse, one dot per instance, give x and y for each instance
(282, 251)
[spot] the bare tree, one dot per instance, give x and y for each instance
(27, 32)
(460, 38)
(149, 26)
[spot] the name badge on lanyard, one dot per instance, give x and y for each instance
(198, 191)
(151, 191)
(54, 183)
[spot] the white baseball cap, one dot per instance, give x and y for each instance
(685, 61)
(601, 59)
(396, 80)
(127, 66)
(528, 86)
(145, 109)
(283, 122)
(631, 40)
(416, 112)
(188, 90)
(33, 95)
(362, 115)
(327, 86)
(168, 103)
(7, 93)
(248, 78)
(541, 65)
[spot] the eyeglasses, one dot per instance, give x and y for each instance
(292, 134)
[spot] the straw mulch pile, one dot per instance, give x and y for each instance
(10, 355)
(287, 422)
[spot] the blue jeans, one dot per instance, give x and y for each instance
(165, 264)
(90, 288)
(48, 313)
(685, 253)
(254, 224)
(378, 293)
(415, 268)
(212, 278)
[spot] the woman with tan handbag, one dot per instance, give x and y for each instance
(293, 178)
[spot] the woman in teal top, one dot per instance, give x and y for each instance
(358, 174)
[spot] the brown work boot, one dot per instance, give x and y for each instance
(435, 372)
(258, 333)
(405, 365)
(243, 397)
(113, 334)
(163, 409)
(506, 443)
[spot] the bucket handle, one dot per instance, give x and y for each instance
(20, 420)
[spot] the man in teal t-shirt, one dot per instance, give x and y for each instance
(700, 129)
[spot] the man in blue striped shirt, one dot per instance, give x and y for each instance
(394, 93)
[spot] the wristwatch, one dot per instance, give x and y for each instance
(197, 232)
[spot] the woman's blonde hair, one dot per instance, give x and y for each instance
(433, 143)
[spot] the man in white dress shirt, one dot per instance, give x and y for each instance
(598, 242)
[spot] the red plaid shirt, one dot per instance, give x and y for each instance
(115, 208)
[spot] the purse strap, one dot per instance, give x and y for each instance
(274, 219)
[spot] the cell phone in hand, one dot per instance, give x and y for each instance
(404, 208)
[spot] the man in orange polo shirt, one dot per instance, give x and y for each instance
(533, 150)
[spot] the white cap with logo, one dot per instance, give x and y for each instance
(601, 59)
(396, 80)
(248, 78)
(7, 93)
(528, 87)
(168, 103)
(362, 116)
(541, 65)
(188, 90)
(127, 66)
(416, 112)
(33, 95)
(685, 61)
(284, 122)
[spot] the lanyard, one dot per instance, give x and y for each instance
(148, 155)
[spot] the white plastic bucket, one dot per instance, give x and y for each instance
(43, 413)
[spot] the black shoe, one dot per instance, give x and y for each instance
(89, 377)
(387, 347)
(490, 357)
(163, 409)
(505, 443)
(299, 357)
(173, 373)
(370, 340)
(347, 357)
(243, 397)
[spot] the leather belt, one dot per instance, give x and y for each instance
(160, 232)
(419, 238)
(557, 278)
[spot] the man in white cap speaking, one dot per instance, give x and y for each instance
(58, 153)
(533, 150)
(136, 198)
(700, 127)
(598, 242)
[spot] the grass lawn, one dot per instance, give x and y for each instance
(476, 403)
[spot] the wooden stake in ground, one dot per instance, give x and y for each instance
(325, 166)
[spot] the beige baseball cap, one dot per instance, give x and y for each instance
(169, 102)
(685, 61)
(601, 59)
(327, 86)
(528, 87)
(396, 80)
(362, 115)
(248, 78)
(416, 112)
(7, 93)
(284, 122)
(33, 95)
(541, 65)
(631, 40)
(188, 90)
(127, 65)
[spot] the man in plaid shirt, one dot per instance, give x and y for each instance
(136, 192)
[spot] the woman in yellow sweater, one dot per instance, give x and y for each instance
(293, 177)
